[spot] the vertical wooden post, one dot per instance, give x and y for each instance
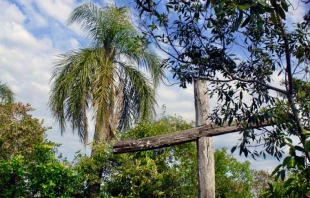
(205, 153)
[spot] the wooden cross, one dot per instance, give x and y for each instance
(201, 134)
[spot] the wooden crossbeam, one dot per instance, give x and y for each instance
(179, 137)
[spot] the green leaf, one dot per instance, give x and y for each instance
(230, 120)
(244, 6)
(292, 150)
(282, 144)
(276, 169)
(288, 182)
(238, 21)
(299, 148)
(273, 18)
(273, 3)
(300, 160)
(247, 20)
(307, 146)
(280, 11)
(208, 3)
(307, 133)
(286, 160)
(270, 186)
(289, 140)
(233, 149)
(284, 5)
(291, 163)
(263, 3)
(282, 175)
(260, 25)
(168, 7)
(246, 152)
(196, 15)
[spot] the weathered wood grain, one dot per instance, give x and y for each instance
(175, 138)
(205, 153)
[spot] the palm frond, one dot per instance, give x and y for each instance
(138, 97)
(6, 94)
(71, 92)
(136, 51)
(104, 94)
(88, 16)
(104, 26)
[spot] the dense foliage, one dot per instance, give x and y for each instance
(232, 178)
(19, 131)
(40, 174)
(295, 186)
(28, 166)
(166, 172)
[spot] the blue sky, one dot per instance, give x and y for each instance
(33, 32)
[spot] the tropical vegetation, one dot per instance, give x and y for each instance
(32, 169)
(28, 165)
(107, 79)
(114, 80)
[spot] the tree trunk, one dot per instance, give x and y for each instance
(104, 133)
(99, 138)
(206, 172)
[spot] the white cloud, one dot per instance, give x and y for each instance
(74, 44)
(16, 36)
(297, 11)
(43, 88)
(57, 9)
(108, 2)
(10, 12)
(178, 101)
(35, 20)
(44, 14)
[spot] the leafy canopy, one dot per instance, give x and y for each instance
(19, 131)
(28, 166)
(242, 48)
(166, 172)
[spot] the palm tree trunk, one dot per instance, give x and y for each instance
(105, 134)
(100, 136)
(94, 186)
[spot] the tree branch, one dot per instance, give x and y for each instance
(255, 81)
(290, 87)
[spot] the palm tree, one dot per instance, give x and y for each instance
(105, 78)
(6, 94)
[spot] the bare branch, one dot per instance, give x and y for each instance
(255, 81)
